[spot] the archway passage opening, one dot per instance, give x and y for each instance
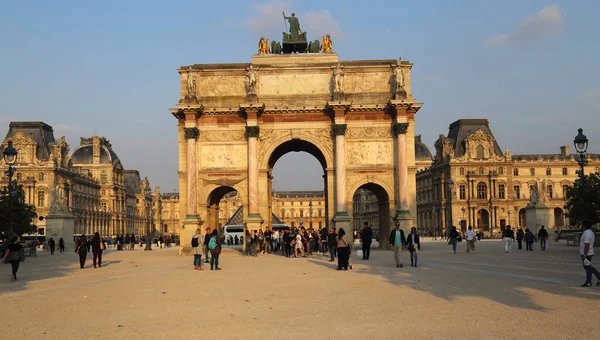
(483, 220)
(223, 204)
(297, 186)
(371, 204)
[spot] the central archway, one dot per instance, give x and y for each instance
(371, 203)
(284, 148)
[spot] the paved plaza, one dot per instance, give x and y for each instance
(151, 295)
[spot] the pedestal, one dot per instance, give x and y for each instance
(190, 224)
(61, 226)
(342, 220)
(406, 220)
(538, 215)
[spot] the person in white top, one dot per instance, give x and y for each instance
(586, 250)
(470, 236)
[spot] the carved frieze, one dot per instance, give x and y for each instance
(222, 136)
(224, 156)
(369, 153)
(368, 132)
(191, 133)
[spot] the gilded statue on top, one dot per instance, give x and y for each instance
(326, 44)
(263, 46)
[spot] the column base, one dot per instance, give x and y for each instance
(406, 220)
(190, 224)
(253, 222)
(341, 220)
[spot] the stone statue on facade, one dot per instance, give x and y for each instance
(59, 204)
(250, 80)
(191, 86)
(399, 81)
(295, 30)
(338, 80)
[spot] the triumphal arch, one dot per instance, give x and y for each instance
(236, 120)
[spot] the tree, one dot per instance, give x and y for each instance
(13, 208)
(583, 200)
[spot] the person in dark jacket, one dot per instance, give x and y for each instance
(97, 249)
(529, 239)
(61, 246)
(14, 255)
(216, 251)
(81, 250)
(332, 244)
(366, 237)
(453, 238)
(520, 236)
(414, 246)
(206, 239)
(398, 241)
(52, 245)
(543, 235)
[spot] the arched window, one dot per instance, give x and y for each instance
(515, 172)
(479, 153)
(481, 190)
(41, 176)
(481, 170)
(41, 198)
(532, 172)
(548, 172)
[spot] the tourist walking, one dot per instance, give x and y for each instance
(586, 250)
(247, 238)
(205, 243)
(261, 241)
(98, 247)
(61, 246)
(470, 236)
(299, 245)
(81, 249)
(254, 243)
(520, 237)
(414, 246)
(508, 236)
(132, 242)
(268, 241)
(453, 238)
(214, 245)
(15, 255)
(197, 249)
(366, 237)
(398, 241)
(529, 239)
(332, 244)
(343, 250)
(52, 245)
(543, 236)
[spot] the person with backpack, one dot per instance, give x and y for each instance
(214, 245)
(14, 254)
(529, 239)
(197, 250)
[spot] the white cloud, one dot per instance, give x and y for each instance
(537, 26)
(267, 18)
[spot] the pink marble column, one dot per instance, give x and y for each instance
(402, 166)
(339, 130)
(191, 134)
(252, 133)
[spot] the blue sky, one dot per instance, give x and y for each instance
(109, 67)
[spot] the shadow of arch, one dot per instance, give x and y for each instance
(380, 221)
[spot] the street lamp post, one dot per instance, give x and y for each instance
(463, 214)
(581, 145)
(10, 158)
(433, 227)
(310, 212)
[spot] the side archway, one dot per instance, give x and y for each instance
(212, 198)
(371, 203)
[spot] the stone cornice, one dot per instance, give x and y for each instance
(180, 112)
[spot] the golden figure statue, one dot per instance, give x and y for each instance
(326, 44)
(263, 46)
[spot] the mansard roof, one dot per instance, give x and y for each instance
(40, 132)
(461, 129)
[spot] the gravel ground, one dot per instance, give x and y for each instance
(153, 295)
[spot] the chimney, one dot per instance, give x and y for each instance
(564, 150)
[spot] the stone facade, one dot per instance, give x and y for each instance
(171, 223)
(363, 136)
(491, 188)
(91, 180)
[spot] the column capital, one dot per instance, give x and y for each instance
(338, 129)
(252, 110)
(183, 112)
(191, 133)
(399, 128)
(252, 131)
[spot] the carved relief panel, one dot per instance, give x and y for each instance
(369, 153)
(223, 156)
